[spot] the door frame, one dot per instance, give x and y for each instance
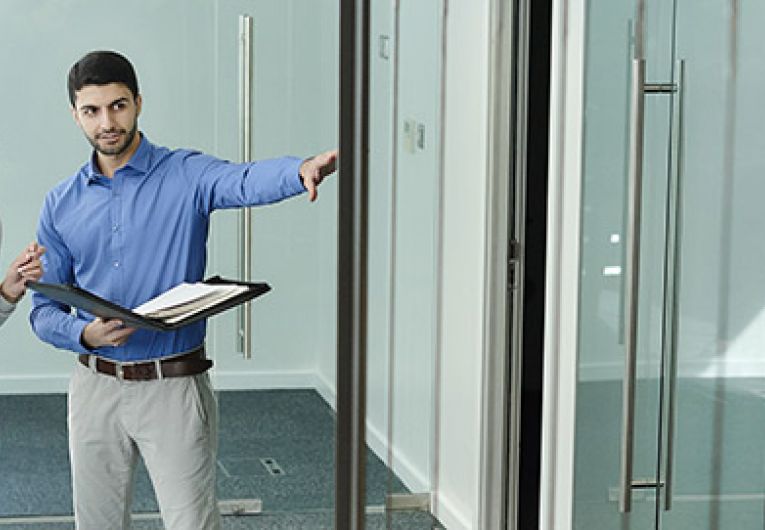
(353, 214)
(562, 270)
(518, 130)
(501, 362)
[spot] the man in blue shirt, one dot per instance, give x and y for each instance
(130, 224)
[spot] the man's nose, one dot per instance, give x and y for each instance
(107, 120)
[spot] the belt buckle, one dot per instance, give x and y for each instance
(142, 370)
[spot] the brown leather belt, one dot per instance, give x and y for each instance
(191, 363)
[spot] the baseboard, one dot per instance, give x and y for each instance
(221, 380)
(451, 517)
(34, 384)
(695, 369)
(409, 474)
(326, 390)
(260, 380)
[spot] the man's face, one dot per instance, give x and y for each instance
(108, 115)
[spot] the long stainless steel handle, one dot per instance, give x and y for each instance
(631, 276)
(672, 287)
(245, 153)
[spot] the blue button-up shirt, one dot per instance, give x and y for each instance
(131, 237)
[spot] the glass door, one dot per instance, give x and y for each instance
(619, 379)
(669, 383)
(405, 228)
(277, 393)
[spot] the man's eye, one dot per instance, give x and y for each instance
(119, 106)
(88, 112)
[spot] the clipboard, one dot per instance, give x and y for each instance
(76, 297)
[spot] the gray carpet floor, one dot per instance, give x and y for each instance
(284, 521)
(292, 430)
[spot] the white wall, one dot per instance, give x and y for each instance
(413, 261)
(465, 178)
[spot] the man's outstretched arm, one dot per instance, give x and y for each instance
(220, 184)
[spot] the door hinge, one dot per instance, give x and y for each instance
(513, 262)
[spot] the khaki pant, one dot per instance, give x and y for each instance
(171, 423)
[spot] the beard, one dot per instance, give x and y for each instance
(118, 149)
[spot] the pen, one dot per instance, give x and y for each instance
(34, 251)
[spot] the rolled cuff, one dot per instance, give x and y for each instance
(6, 308)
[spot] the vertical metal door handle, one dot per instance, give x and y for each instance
(632, 276)
(672, 275)
(245, 153)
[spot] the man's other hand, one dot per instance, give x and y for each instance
(26, 267)
(105, 333)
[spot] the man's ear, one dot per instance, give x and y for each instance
(138, 105)
(75, 117)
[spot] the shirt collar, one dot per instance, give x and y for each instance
(140, 161)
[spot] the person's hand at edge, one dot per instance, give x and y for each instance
(314, 169)
(101, 332)
(26, 267)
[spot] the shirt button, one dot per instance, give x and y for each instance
(116, 264)
(115, 228)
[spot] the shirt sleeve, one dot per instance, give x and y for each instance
(6, 308)
(221, 184)
(53, 322)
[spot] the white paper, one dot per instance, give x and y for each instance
(187, 299)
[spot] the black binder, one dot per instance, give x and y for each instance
(82, 299)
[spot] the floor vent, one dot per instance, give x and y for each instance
(272, 466)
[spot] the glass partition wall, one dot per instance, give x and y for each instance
(276, 389)
(200, 64)
(670, 379)
(404, 263)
